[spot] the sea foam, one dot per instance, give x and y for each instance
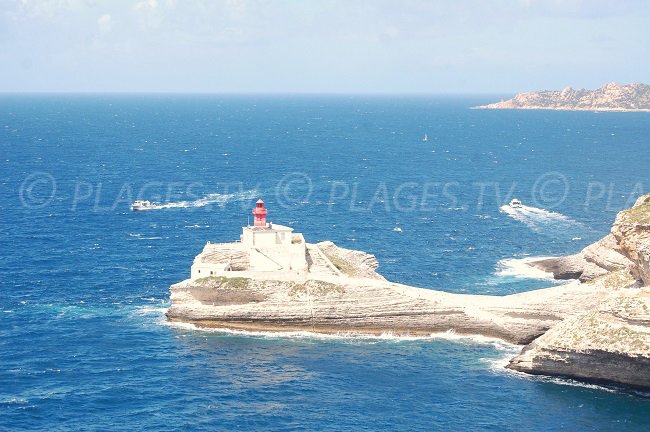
(348, 336)
(520, 268)
(206, 200)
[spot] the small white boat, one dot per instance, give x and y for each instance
(425, 138)
(141, 205)
(515, 203)
(397, 229)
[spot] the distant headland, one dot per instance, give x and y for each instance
(610, 97)
(273, 280)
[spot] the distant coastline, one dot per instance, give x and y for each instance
(610, 97)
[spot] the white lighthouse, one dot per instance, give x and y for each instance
(264, 247)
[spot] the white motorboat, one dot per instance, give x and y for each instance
(139, 205)
(515, 203)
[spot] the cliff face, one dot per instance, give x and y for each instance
(632, 232)
(628, 246)
(366, 306)
(610, 97)
(593, 261)
(610, 342)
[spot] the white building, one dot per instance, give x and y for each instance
(263, 247)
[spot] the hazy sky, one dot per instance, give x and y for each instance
(342, 46)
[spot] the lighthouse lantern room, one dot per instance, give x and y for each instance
(260, 212)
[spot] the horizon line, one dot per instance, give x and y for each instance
(243, 93)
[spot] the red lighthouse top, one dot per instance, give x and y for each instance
(260, 213)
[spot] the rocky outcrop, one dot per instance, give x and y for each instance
(632, 232)
(597, 330)
(610, 343)
(351, 262)
(610, 97)
(569, 267)
(593, 261)
(371, 306)
(627, 247)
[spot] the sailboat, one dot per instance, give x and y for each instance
(426, 138)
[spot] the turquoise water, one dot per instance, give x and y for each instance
(84, 281)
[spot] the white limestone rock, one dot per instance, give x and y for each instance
(609, 343)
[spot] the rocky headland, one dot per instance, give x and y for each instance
(610, 97)
(594, 328)
(611, 341)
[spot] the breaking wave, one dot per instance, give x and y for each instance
(499, 366)
(449, 335)
(519, 268)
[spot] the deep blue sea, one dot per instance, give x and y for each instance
(84, 281)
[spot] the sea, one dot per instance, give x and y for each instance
(84, 344)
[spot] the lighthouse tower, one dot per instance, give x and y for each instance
(260, 213)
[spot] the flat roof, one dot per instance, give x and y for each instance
(271, 227)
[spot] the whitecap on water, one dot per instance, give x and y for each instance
(13, 401)
(151, 310)
(508, 352)
(520, 268)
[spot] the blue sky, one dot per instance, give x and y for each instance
(321, 46)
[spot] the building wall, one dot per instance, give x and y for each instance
(299, 257)
(201, 270)
(268, 251)
(261, 259)
(246, 236)
(279, 257)
(264, 239)
(267, 238)
(284, 237)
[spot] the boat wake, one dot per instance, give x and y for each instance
(539, 220)
(209, 199)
